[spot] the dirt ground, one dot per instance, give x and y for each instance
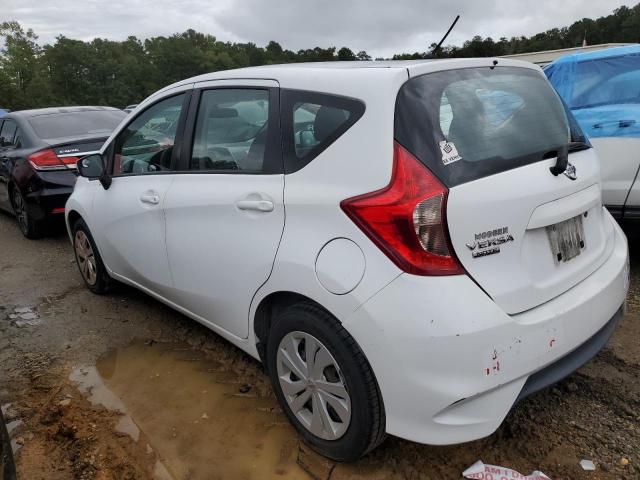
(122, 387)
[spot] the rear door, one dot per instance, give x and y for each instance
(491, 135)
(224, 211)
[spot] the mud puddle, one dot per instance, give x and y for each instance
(200, 422)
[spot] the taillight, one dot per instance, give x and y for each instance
(48, 160)
(407, 219)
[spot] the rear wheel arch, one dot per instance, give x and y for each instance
(267, 310)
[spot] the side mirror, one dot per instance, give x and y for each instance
(4, 143)
(92, 167)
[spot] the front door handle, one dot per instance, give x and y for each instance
(256, 205)
(151, 198)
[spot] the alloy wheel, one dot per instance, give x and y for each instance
(313, 385)
(85, 256)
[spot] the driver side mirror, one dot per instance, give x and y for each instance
(92, 167)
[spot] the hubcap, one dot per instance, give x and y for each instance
(20, 211)
(313, 386)
(85, 257)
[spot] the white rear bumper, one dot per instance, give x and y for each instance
(450, 363)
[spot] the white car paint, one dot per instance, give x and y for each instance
(620, 157)
(434, 343)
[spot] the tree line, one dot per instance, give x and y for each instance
(117, 73)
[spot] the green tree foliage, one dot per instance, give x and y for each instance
(105, 72)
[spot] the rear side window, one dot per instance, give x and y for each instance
(8, 132)
(233, 133)
(312, 122)
(71, 124)
(470, 123)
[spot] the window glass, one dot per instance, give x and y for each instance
(146, 145)
(8, 131)
(73, 124)
(312, 121)
(231, 131)
(17, 139)
(469, 123)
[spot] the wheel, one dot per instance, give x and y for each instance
(88, 258)
(29, 227)
(324, 383)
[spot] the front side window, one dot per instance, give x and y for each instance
(146, 145)
(232, 132)
(470, 123)
(312, 122)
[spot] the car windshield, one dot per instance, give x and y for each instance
(76, 124)
(470, 123)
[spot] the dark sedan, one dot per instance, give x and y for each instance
(38, 154)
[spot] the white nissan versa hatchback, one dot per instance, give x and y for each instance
(409, 248)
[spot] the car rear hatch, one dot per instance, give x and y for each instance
(491, 135)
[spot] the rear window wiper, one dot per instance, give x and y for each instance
(563, 155)
(562, 162)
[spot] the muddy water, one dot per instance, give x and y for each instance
(191, 413)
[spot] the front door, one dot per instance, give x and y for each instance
(130, 221)
(224, 212)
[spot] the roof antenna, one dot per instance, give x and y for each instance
(433, 52)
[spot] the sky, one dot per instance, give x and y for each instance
(382, 28)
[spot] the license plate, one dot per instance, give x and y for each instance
(566, 239)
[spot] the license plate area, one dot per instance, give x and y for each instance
(566, 239)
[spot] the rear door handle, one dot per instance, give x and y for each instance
(255, 205)
(151, 198)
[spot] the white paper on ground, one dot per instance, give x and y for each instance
(587, 465)
(480, 471)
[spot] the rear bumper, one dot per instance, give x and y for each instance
(451, 364)
(47, 192)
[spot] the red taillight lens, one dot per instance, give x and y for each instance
(406, 219)
(48, 160)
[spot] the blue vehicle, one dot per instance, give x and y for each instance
(3, 112)
(602, 89)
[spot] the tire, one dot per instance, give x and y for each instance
(88, 259)
(29, 227)
(348, 437)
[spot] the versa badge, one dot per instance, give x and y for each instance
(488, 243)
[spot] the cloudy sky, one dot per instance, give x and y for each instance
(381, 27)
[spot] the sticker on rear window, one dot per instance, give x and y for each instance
(449, 152)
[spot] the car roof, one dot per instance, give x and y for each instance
(289, 73)
(53, 110)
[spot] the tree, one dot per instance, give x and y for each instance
(345, 54)
(18, 62)
(107, 72)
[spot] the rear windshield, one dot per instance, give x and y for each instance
(470, 123)
(72, 124)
